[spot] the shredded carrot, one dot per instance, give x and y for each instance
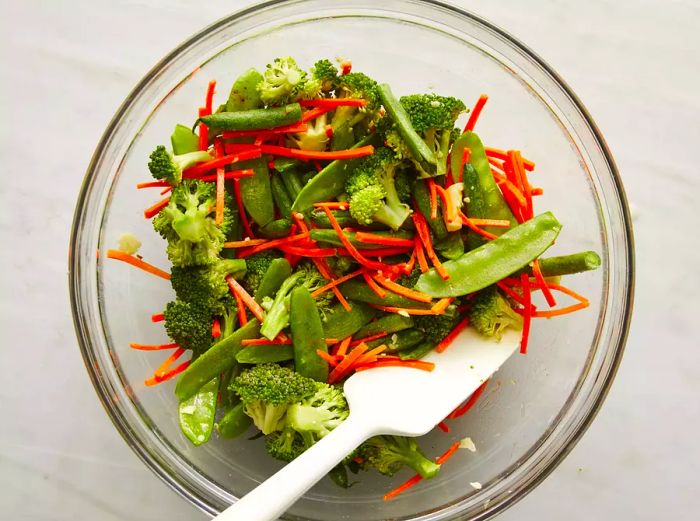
(332, 360)
(216, 328)
(203, 130)
(410, 311)
(309, 154)
(335, 282)
(202, 168)
(537, 191)
(345, 67)
(527, 312)
(135, 261)
(237, 148)
(153, 184)
(582, 303)
(240, 308)
(231, 174)
(209, 104)
(274, 244)
(341, 369)
(157, 317)
(325, 271)
(314, 113)
(413, 364)
(424, 234)
(503, 155)
(333, 102)
(466, 155)
(153, 347)
(509, 291)
(163, 377)
(373, 285)
(370, 356)
(152, 211)
(309, 252)
(337, 205)
(166, 190)
(245, 243)
(450, 213)
(433, 198)
(448, 453)
(470, 224)
(280, 340)
(515, 161)
(402, 290)
(389, 251)
(343, 347)
(443, 427)
(368, 339)
(373, 238)
(420, 255)
(284, 129)
(508, 187)
(299, 220)
(241, 209)
(220, 172)
(471, 401)
(168, 362)
(452, 335)
(476, 111)
(249, 301)
(441, 305)
(495, 223)
(551, 301)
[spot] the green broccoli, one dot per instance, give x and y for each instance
(284, 445)
(491, 314)
(326, 74)
(268, 390)
(437, 327)
(284, 82)
(188, 225)
(403, 182)
(432, 117)
(206, 284)
(346, 119)
(189, 325)
(168, 167)
(388, 454)
(256, 266)
(410, 280)
(373, 193)
(315, 138)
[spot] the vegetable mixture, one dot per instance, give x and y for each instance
(317, 226)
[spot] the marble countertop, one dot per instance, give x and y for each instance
(636, 66)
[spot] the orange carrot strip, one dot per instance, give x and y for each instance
(135, 261)
(527, 312)
(537, 191)
(469, 224)
(450, 210)
(231, 174)
(335, 282)
(314, 113)
(157, 379)
(370, 356)
(338, 205)
(443, 427)
(241, 209)
(216, 328)
(309, 252)
(506, 186)
(433, 198)
(157, 317)
(420, 255)
(367, 339)
(496, 223)
(561, 311)
(476, 111)
(332, 103)
(152, 211)
(379, 252)
(209, 104)
(403, 487)
(166, 190)
(424, 234)
(284, 129)
(452, 335)
(516, 163)
(343, 348)
(466, 155)
(551, 301)
(327, 274)
(569, 292)
(202, 168)
(509, 291)
(373, 285)
(240, 308)
(153, 347)
(441, 305)
(249, 301)
(345, 67)
(153, 184)
(373, 238)
(332, 360)
(341, 369)
(203, 130)
(169, 361)
(245, 243)
(309, 154)
(402, 290)
(448, 453)
(462, 409)
(503, 155)
(410, 311)
(273, 244)
(220, 172)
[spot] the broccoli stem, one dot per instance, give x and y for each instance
(278, 317)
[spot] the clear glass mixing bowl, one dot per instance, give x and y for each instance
(536, 407)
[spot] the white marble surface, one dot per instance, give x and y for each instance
(67, 65)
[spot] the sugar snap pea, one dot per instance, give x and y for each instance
(421, 195)
(275, 229)
(320, 219)
(277, 272)
(196, 413)
(308, 335)
(292, 182)
(339, 323)
(400, 341)
(234, 423)
(494, 260)
(339, 476)
(244, 93)
(287, 164)
(257, 193)
(183, 140)
(264, 354)
(280, 196)
(228, 397)
(569, 264)
(330, 237)
(359, 291)
(390, 323)
(417, 352)
(214, 361)
(451, 246)
(254, 119)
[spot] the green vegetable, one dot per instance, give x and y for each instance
(277, 271)
(244, 93)
(491, 314)
(168, 167)
(254, 119)
(451, 247)
(235, 422)
(320, 219)
(307, 332)
(268, 390)
(418, 351)
(569, 264)
(419, 150)
(339, 323)
(291, 182)
(494, 260)
(389, 454)
(437, 327)
(315, 138)
(339, 476)
(217, 359)
(352, 123)
(324, 72)
(276, 229)
(189, 324)
(265, 354)
(401, 341)
(257, 193)
(284, 81)
(372, 190)
(256, 268)
(390, 323)
(206, 284)
(421, 195)
(330, 237)
(196, 414)
(280, 196)
(359, 291)
(184, 141)
(329, 183)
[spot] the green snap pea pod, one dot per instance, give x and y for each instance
(400, 341)
(235, 232)
(420, 150)
(276, 229)
(276, 273)
(292, 182)
(308, 176)
(339, 476)
(234, 423)
(228, 397)
(280, 196)
(451, 247)
(320, 219)
(257, 193)
(343, 137)
(214, 361)
(359, 291)
(491, 205)
(417, 352)
(308, 335)
(476, 205)
(421, 194)
(244, 93)
(264, 354)
(286, 164)
(196, 413)
(390, 323)
(183, 140)
(329, 183)
(254, 119)
(339, 323)
(330, 237)
(569, 264)
(494, 260)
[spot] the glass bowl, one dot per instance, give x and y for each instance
(535, 408)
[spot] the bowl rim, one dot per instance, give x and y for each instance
(74, 270)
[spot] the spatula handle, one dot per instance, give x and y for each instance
(274, 496)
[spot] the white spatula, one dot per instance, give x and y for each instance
(386, 400)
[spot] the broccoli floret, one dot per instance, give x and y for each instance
(206, 284)
(491, 314)
(326, 74)
(318, 414)
(189, 325)
(388, 454)
(432, 117)
(356, 85)
(437, 327)
(168, 167)
(188, 225)
(284, 82)
(285, 445)
(372, 189)
(409, 281)
(267, 391)
(315, 138)
(256, 266)
(403, 181)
